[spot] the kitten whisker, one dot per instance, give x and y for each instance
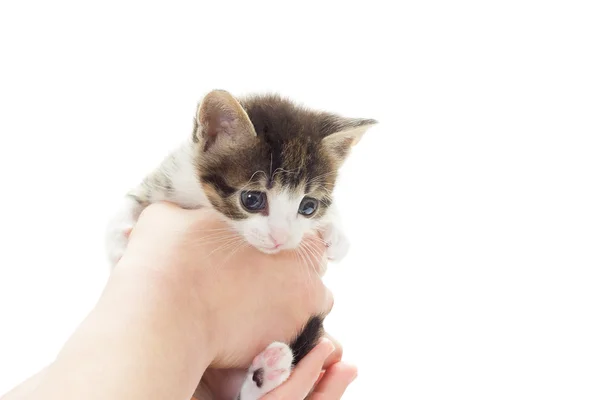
(310, 256)
(239, 245)
(305, 263)
(323, 175)
(252, 177)
(281, 170)
(208, 241)
(226, 245)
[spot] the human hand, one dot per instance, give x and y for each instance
(179, 300)
(309, 379)
(240, 298)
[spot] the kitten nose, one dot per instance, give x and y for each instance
(278, 236)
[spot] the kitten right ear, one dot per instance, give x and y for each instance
(350, 133)
(221, 120)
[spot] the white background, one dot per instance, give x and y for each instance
(474, 207)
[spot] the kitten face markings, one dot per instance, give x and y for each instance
(270, 166)
(281, 226)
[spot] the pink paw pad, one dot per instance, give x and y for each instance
(273, 355)
(275, 375)
(269, 369)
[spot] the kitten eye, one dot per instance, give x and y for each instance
(253, 201)
(308, 206)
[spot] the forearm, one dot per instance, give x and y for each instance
(26, 388)
(139, 342)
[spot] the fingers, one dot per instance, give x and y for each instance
(328, 301)
(305, 374)
(334, 383)
(320, 301)
(336, 356)
(331, 385)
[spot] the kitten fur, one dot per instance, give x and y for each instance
(274, 149)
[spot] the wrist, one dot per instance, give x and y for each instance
(139, 330)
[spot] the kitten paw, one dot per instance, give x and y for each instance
(116, 243)
(269, 369)
(337, 244)
(119, 228)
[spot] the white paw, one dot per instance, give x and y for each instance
(116, 242)
(337, 243)
(269, 369)
(119, 228)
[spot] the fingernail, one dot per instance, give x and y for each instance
(355, 375)
(320, 377)
(329, 345)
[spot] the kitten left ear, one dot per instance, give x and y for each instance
(340, 142)
(221, 119)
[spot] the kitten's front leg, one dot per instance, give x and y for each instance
(334, 236)
(120, 226)
(269, 369)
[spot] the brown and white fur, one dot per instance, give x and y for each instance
(269, 168)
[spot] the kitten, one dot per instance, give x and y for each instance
(269, 167)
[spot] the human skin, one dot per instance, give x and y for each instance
(171, 309)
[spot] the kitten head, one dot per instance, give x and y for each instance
(270, 166)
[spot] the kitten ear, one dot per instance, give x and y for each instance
(221, 119)
(340, 142)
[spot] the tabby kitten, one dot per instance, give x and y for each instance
(268, 167)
